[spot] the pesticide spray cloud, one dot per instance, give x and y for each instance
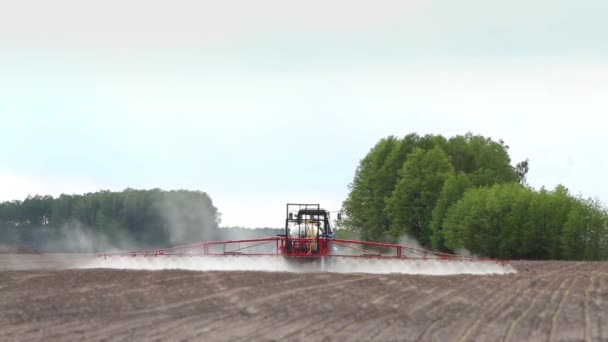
(280, 264)
(188, 217)
(76, 237)
(337, 264)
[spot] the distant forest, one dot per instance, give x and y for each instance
(462, 193)
(109, 220)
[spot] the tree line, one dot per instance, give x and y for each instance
(105, 219)
(463, 193)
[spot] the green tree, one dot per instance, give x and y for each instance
(364, 206)
(453, 189)
(485, 161)
(410, 205)
(375, 180)
(559, 206)
(574, 231)
(482, 160)
(513, 221)
(585, 232)
(466, 223)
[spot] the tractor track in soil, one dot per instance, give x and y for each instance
(40, 299)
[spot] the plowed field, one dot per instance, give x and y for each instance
(543, 301)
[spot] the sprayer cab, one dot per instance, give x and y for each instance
(307, 221)
(306, 228)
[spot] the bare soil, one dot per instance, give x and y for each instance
(545, 301)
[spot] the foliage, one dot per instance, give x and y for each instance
(368, 191)
(411, 203)
(453, 189)
(512, 221)
(463, 192)
(379, 195)
(374, 181)
(347, 234)
(585, 233)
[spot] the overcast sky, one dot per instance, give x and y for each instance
(259, 103)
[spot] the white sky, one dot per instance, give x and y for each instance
(264, 104)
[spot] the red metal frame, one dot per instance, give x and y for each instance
(301, 248)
